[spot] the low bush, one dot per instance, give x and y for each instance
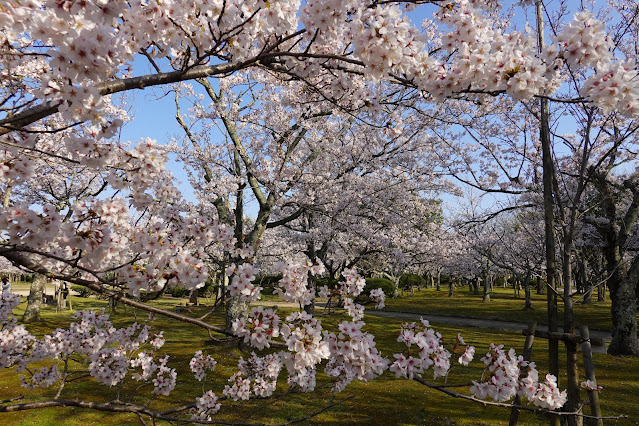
(81, 290)
(331, 283)
(267, 282)
(408, 281)
(178, 291)
(384, 283)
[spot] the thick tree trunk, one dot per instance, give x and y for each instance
(528, 299)
(193, 297)
(601, 293)
(540, 285)
(311, 283)
(486, 297)
(451, 286)
(235, 309)
(439, 280)
(34, 301)
(624, 313)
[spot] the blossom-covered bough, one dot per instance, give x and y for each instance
(117, 357)
(61, 59)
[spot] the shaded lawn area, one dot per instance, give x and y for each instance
(503, 306)
(383, 401)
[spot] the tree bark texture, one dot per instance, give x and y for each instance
(34, 301)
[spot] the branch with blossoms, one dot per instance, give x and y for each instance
(119, 358)
(122, 357)
(305, 41)
(22, 260)
(446, 390)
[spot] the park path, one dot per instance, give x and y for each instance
(605, 336)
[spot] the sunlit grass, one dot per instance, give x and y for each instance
(383, 401)
(502, 306)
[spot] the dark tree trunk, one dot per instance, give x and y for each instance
(193, 297)
(439, 280)
(622, 280)
(528, 299)
(486, 297)
(549, 212)
(540, 285)
(312, 283)
(587, 293)
(34, 301)
(601, 293)
(572, 363)
(624, 313)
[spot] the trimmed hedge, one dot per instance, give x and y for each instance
(384, 283)
(81, 290)
(178, 291)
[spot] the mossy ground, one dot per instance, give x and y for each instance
(503, 306)
(384, 401)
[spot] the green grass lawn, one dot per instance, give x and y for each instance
(502, 306)
(384, 401)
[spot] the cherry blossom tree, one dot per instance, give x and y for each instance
(59, 60)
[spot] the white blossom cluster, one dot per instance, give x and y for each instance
(429, 352)
(615, 87)
(506, 381)
(259, 329)
(257, 375)
(104, 233)
(302, 335)
(591, 385)
(205, 405)
(109, 351)
(377, 295)
(200, 364)
(293, 287)
(242, 282)
(584, 42)
(164, 382)
(353, 355)
(353, 283)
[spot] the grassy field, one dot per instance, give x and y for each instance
(384, 401)
(502, 306)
